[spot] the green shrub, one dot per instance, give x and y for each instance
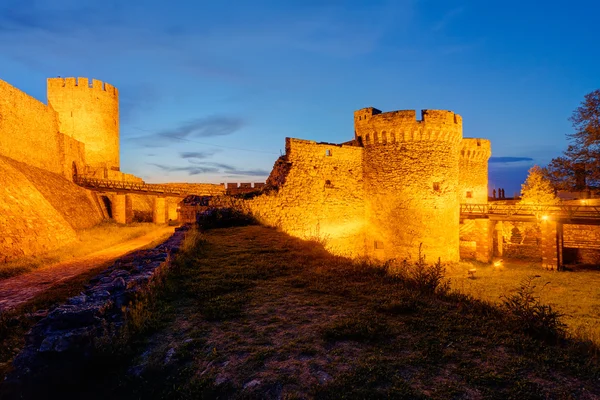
(530, 315)
(427, 278)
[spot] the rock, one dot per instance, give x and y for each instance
(170, 354)
(323, 377)
(253, 383)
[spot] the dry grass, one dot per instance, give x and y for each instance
(89, 241)
(573, 293)
(249, 312)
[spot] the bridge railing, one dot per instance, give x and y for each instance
(132, 186)
(531, 210)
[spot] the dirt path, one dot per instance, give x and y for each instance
(16, 291)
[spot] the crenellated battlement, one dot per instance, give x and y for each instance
(88, 111)
(373, 127)
(475, 149)
(55, 84)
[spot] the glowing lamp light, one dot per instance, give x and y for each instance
(544, 218)
(498, 263)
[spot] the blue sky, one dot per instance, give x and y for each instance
(209, 90)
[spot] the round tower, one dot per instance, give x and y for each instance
(473, 170)
(88, 112)
(411, 182)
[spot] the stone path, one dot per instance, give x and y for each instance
(16, 291)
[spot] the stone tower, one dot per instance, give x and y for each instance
(88, 112)
(473, 170)
(411, 182)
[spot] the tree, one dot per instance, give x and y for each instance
(537, 189)
(579, 167)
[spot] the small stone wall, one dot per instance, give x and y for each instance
(522, 251)
(60, 345)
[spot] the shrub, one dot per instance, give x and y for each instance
(223, 218)
(422, 276)
(530, 315)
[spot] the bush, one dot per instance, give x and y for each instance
(421, 276)
(223, 218)
(530, 315)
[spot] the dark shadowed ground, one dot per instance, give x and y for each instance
(250, 312)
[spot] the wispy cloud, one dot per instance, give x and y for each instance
(206, 167)
(199, 155)
(506, 160)
(197, 128)
(191, 170)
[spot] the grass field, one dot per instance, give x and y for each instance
(573, 293)
(250, 312)
(89, 241)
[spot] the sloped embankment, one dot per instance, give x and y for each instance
(39, 210)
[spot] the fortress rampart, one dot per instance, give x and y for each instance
(41, 148)
(88, 111)
(29, 130)
(321, 196)
(393, 189)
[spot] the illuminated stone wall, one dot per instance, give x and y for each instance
(397, 186)
(29, 130)
(411, 182)
(88, 112)
(473, 170)
(320, 196)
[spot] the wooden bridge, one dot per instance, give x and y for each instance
(137, 187)
(573, 214)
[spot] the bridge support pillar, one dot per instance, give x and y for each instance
(484, 246)
(159, 210)
(499, 239)
(172, 214)
(552, 244)
(122, 209)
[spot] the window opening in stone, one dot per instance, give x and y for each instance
(436, 186)
(328, 153)
(378, 245)
(469, 195)
(328, 184)
(367, 139)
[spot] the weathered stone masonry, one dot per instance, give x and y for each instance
(397, 186)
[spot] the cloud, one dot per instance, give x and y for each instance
(205, 127)
(199, 128)
(198, 154)
(191, 170)
(505, 160)
(205, 167)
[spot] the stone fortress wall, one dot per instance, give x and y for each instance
(41, 148)
(320, 195)
(394, 189)
(88, 111)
